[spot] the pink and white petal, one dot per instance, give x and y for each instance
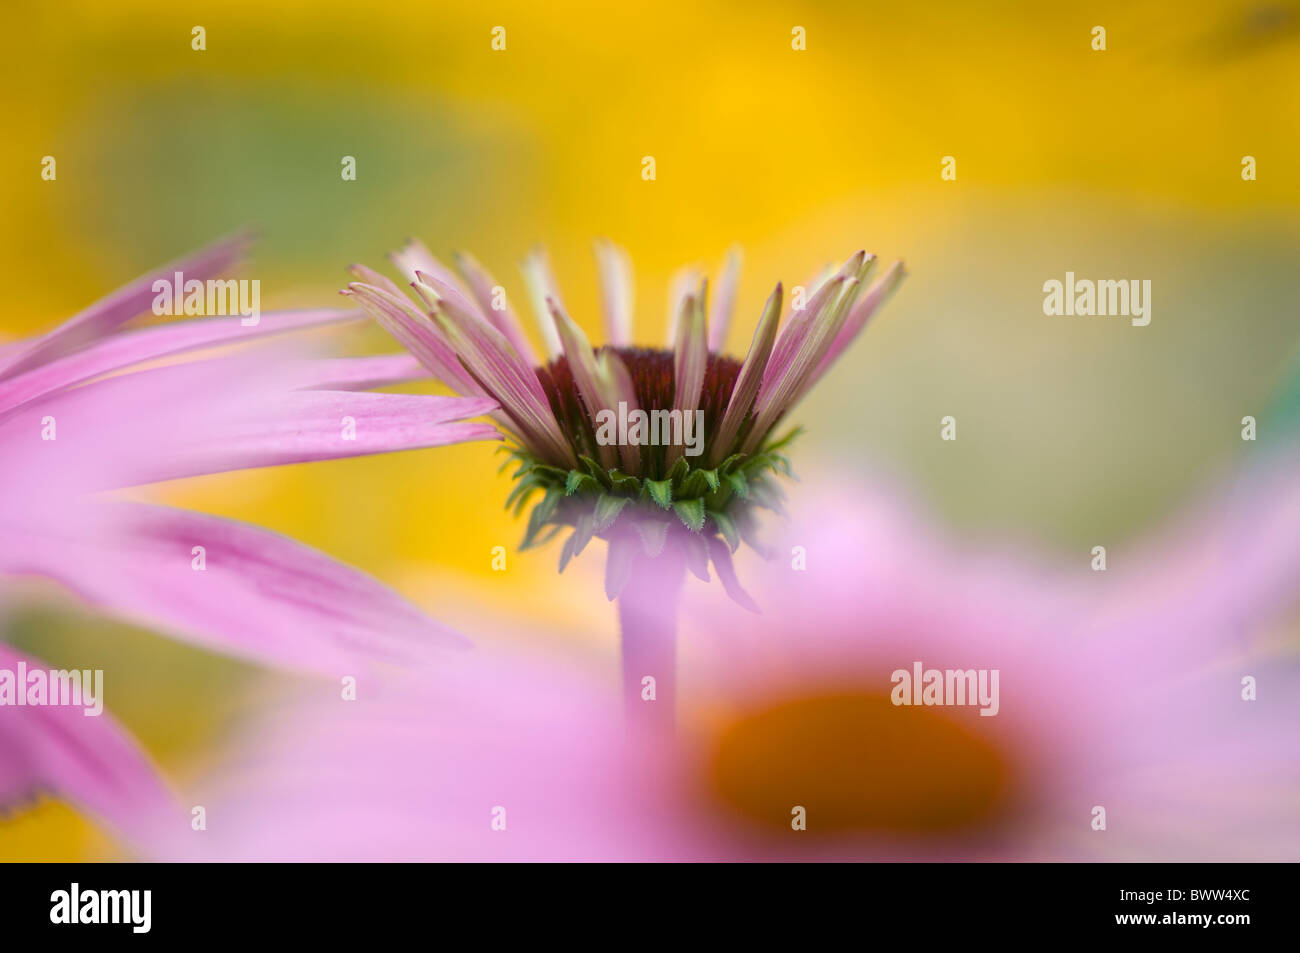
(89, 761)
(418, 333)
(745, 392)
(690, 361)
(414, 257)
(880, 291)
(683, 282)
(616, 296)
(724, 301)
(368, 276)
(123, 350)
(501, 373)
(691, 353)
(586, 372)
(133, 299)
(311, 426)
(483, 286)
(787, 375)
(210, 417)
(258, 596)
(541, 287)
(803, 320)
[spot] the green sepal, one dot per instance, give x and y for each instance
(661, 491)
(577, 480)
(596, 470)
(566, 552)
(691, 512)
(739, 485)
(582, 533)
(731, 462)
(607, 510)
(728, 529)
(622, 483)
(540, 515)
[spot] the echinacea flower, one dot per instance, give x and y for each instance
(664, 453)
(78, 417)
(1121, 725)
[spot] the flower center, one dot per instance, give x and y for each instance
(653, 385)
(855, 762)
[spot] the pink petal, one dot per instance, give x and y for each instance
(683, 282)
(365, 373)
(724, 302)
(122, 305)
(89, 761)
(603, 381)
(879, 292)
(541, 286)
(213, 416)
(260, 596)
(615, 270)
(414, 258)
(802, 322)
(690, 360)
(747, 383)
(806, 339)
(122, 350)
(502, 374)
(313, 425)
(415, 331)
(481, 284)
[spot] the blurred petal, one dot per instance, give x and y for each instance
(329, 425)
(259, 595)
(541, 286)
(615, 270)
(683, 282)
(123, 350)
(724, 301)
(89, 761)
(214, 416)
(364, 373)
(105, 315)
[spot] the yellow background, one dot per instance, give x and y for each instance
(1117, 164)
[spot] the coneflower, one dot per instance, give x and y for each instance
(598, 433)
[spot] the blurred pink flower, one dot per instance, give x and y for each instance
(1114, 693)
(77, 417)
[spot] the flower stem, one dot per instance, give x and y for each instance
(647, 615)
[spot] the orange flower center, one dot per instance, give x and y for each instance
(855, 762)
